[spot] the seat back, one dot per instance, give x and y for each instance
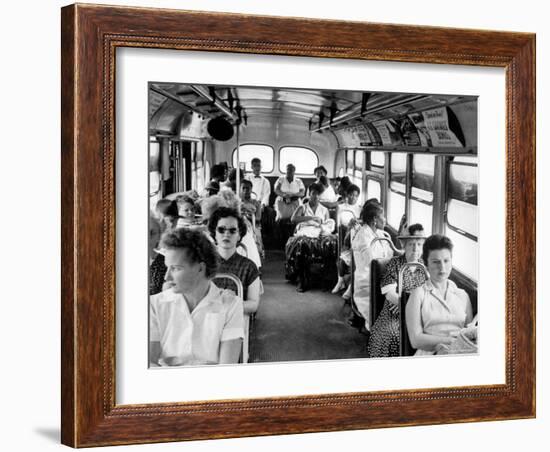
(377, 271)
(240, 291)
(405, 347)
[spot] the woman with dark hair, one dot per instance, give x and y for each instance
(168, 216)
(384, 340)
(167, 213)
(193, 322)
(438, 310)
(312, 238)
(365, 249)
(227, 227)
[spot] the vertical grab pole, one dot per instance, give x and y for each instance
(238, 168)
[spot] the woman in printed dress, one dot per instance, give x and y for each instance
(385, 334)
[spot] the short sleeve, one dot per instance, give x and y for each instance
(234, 320)
(251, 273)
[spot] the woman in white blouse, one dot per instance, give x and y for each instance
(438, 310)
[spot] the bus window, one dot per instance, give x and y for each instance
(421, 207)
(206, 170)
(396, 193)
(374, 189)
(462, 217)
(349, 162)
(377, 160)
(249, 151)
(305, 160)
(155, 185)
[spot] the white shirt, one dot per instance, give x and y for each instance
(348, 211)
(328, 195)
(261, 187)
(193, 338)
(293, 187)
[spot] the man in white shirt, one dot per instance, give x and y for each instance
(260, 184)
(193, 322)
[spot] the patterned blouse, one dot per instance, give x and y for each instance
(411, 279)
(240, 266)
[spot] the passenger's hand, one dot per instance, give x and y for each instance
(352, 223)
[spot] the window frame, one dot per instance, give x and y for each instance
(448, 198)
(256, 144)
(283, 171)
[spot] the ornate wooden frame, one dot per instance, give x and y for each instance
(90, 35)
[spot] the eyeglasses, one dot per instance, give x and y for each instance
(223, 230)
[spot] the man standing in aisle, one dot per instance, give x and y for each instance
(260, 184)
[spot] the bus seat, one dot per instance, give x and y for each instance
(378, 268)
(405, 347)
(238, 283)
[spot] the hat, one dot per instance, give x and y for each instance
(417, 234)
(212, 185)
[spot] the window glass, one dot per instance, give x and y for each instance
(396, 208)
(304, 159)
(359, 157)
(341, 172)
(377, 159)
(463, 216)
(349, 159)
(465, 254)
(421, 213)
(398, 168)
(249, 151)
(374, 189)
(463, 182)
(207, 170)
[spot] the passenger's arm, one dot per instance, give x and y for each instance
(253, 297)
(413, 317)
(469, 310)
(232, 334)
(267, 192)
(277, 189)
(298, 217)
(230, 351)
(155, 348)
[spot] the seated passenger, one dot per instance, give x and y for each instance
(227, 227)
(252, 211)
(313, 225)
(193, 322)
(167, 214)
(227, 198)
(231, 183)
(364, 251)
(347, 211)
(437, 310)
(186, 209)
(385, 334)
(328, 197)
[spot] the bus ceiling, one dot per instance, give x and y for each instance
(400, 122)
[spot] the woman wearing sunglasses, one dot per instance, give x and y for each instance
(227, 227)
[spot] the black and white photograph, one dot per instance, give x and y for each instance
(310, 224)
